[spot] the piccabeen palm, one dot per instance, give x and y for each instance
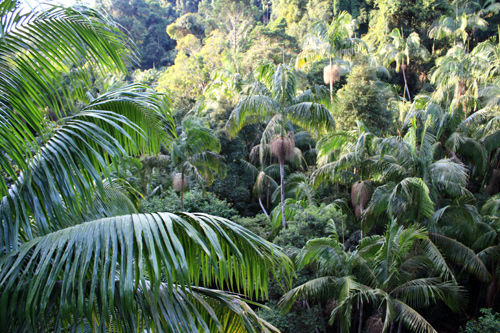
(273, 99)
(62, 263)
(344, 156)
(332, 42)
(381, 272)
(401, 50)
(196, 152)
(417, 175)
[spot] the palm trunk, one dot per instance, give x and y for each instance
(331, 83)
(267, 196)
(360, 325)
(182, 191)
(282, 183)
(400, 326)
(406, 83)
(262, 206)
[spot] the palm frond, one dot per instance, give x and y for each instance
(255, 108)
(311, 116)
(459, 253)
(411, 318)
(423, 292)
(94, 267)
(69, 168)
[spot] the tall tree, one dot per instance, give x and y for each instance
(196, 152)
(330, 42)
(401, 50)
(274, 99)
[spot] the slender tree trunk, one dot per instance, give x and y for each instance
(182, 191)
(282, 183)
(360, 325)
(400, 326)
(267, 196)
(262, 206)
(406, 83)
(331, 83)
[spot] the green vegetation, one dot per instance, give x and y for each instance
(239, 165)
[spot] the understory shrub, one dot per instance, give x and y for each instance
(488, 323)
(194, 201)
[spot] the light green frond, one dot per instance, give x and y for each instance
(89, 269)
(256, 108)
(333, 142)
(320, 252)
(72, 163)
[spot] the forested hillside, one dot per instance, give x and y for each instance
(359, 140)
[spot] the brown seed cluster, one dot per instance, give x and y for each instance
(331, 74)
(283, 147)
(177, 182)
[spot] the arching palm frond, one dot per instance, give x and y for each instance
(447, 175)
(62, 38)
(313, 117)
(251, 106)
(67, 170)
(408, 200)
(88, 270)
(461, 254)
(421, 292)
(492, 206)
(322, 288)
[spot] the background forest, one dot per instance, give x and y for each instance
(360, 136)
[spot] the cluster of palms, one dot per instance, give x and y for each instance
(418, 185)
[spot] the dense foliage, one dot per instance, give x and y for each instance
(359, 139)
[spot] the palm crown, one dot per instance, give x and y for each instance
(273, 99)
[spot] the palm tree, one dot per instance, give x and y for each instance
(457, 77)
(418, 175)
(65, 262)
(273, 99)
(345, 157)
(195, 152)
(380, 272)
(461, 18)
(400, 50)
(264, 181)
(331, 42)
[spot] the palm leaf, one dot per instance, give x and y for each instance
(421, 292)
(62, 177)
(255, 108)
(459, 253)
(411, 318)
(94, 267)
